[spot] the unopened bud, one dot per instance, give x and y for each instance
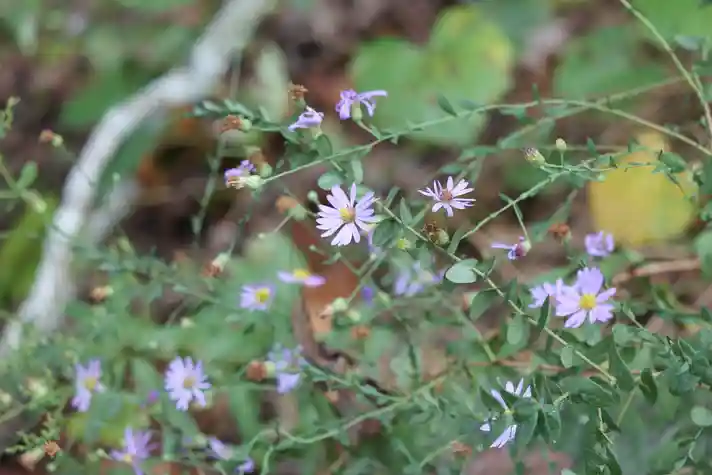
(534, 156)
(266, 170)
(356, 113)
(404, 244)
(313, 196)
(339, 305)
(270, 369)
(441, 237)
(186, 322)
(560, 144)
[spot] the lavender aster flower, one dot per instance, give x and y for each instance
(307, 120)
(447, 198)
(599, 244)
(248, 466)
(368, 293)
(301, 276)
(235, 177)
(287, 364)
(218, 449)
(515, 251)
(546, 290)
(349, 106)
(185, 381)
(136, 449)
(585, 300)
(345, 215)
(86, 384)
(413, 280)
(257, 296)
(510, 432)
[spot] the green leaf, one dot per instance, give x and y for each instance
(568, 357)
(618, 368)
(446, 106)
(648, 386)
(516, 330)
(604, 61)
(679, 18)
(468, 58)
(701, 416)
(462, 272)
(385, 233)
(329, 180)
(244, 404)
(703, 247)
(28, 175)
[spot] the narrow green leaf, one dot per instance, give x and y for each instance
(648, 386)
(445, 105)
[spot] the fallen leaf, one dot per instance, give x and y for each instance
(637, 206)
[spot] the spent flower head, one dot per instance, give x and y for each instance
(257, 296)
(599, 244)
(185, 381)
(309, 119)
(236, 177)
(346, 216)
(585, 299)
(301, 276)
(349, 106)
(448, 197)
(510, 431)
(136, 449)
(514, 251)
(86, 382)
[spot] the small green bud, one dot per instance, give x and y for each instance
(270, 369)
(441, 237)
(245, 124)
(339, 305)
(313, 196)
(560, 144)
(534, 156)
(356, 112)
(266, 170)
(404, 244)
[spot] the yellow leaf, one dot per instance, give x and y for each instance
(637, 206)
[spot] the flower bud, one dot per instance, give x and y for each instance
(534, 156)
(254, 182)
(441, 237)
(339, 305)
(560, 144)
(313, 196)
(266, 170)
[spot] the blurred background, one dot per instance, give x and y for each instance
(69, 62)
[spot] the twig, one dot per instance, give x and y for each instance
(656, 268)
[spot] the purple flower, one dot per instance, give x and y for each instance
(345, 215)
(248, 466)
(86, 384)
(307, 120)
(415, 279)
(185, 382)
(151, 399)
(447, 197)
(546, 290)
(515, 251)
(218, 449)
(257, 296)
(235, 177)
(585, 300)
(350, 103)
(301, 276)
(136, 449)
(511, 430)
(287, 364)
(368, 294)
(599, 244)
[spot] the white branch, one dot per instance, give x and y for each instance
(228, 34)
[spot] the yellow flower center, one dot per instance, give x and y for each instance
(587, 302)
(128, 458)
(347, 214)
(402, 244)
(301, 273)
(90, 383)
(189, 382)
(262, 295)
